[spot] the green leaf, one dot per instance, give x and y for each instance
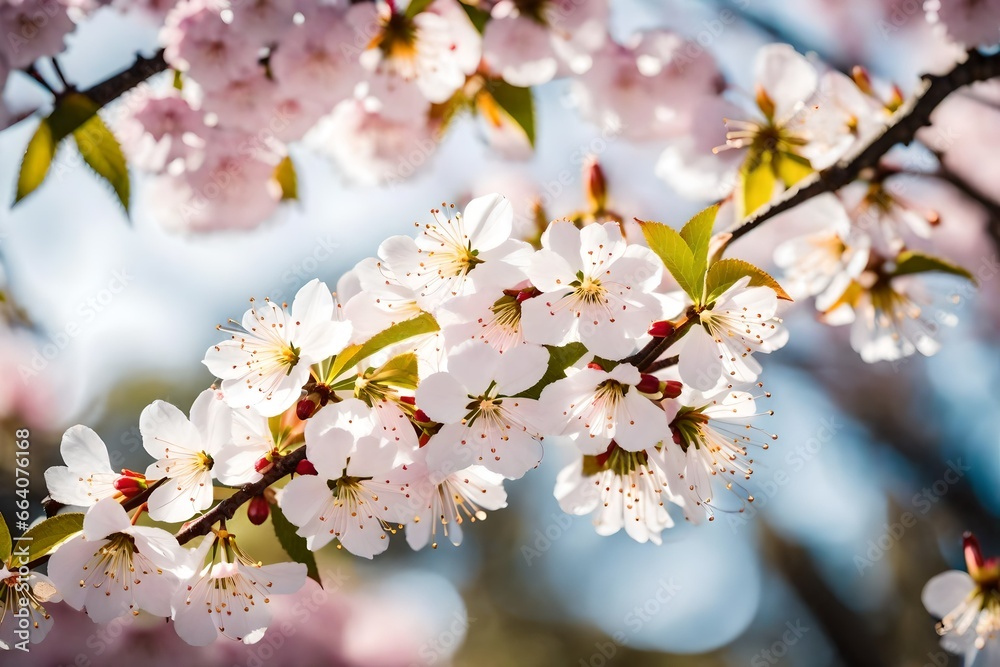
(515, 103)
(697, 233)
(792, 168)
(676, 255)
(293, 544)
(399, 372)
(72, 112)
(48, 534)
(756, 183)
(397, 333)
(417, 6)
(909, 262)
(727, 272)
(285, 174)
(5, 544)
(560, 358)
(479, 17)
(101, 151)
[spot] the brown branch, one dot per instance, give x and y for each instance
(656, 347)
(663, 363)
(901, 129)
(227, 508)
(116, 86)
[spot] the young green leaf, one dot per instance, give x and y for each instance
(72, 112)
(397, 333)
(417, 6)
(48, 534)
(792, 168)
(515, 103)
(5, 543)
(756, 183)
(727, 272)
(560, 358)
(101, 151)
(286, 177)
(399, 372)
(697, 233)
(676, 255)
(909, 262)
(293, 544)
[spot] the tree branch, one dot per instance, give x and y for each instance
(114, 87)
(227, 508)
(902, 127)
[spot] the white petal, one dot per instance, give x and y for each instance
(488, 221)
(944, 592)
(522, 367)
(442, 398)
(105, 518)
(84, 451)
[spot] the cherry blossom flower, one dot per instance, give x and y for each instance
(266, 361)
(436, 49)
(114, 568)
(87, 476)
(484, 422)
(32, 29)
(234, 590)
(711, 439)
(22, 594)
(528, 42)
(841, 116)
(825, 260)
(597, 407)
(253, 448)
(198, 41)
(720, 347)
(622, 490)
(486, 316)
(648, 87)
(882, 209)
(347, 500)
(595, 288)
(444, 498)
(968, 605)
(185, 451)
(153, 133)
(972, 23)
(382, 299)
(893, 317)
(310, 64)
(459, 253)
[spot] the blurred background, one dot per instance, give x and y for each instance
(877, 471)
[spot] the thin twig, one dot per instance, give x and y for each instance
(902, 127)
(33, 72)
(59, 73)
(227, 508)
(663, 363)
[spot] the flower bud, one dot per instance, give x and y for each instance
(305, 467)
(661, 329)
(648, 384)
(595, 185)
(130, 487)
(973, 554)
(265, 463)
(676, 434)
(307, 406)
(409, 400)
(258, 510)
(671, 389)
(421, 417)
(425, 437)
(527, 293)
(596, 366)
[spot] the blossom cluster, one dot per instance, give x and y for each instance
(439, 369)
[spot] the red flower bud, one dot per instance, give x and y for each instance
(661, 329)
(424, 438)
(306, 407)
(258, 510)
(528, 293)
(648, 384)
(305, 467)
(265, 463)
(421, 417)
(595, 185)
(595, 366)
(973, 553)
(676, 435)
(671, 389)
(129, 487)
(131, 473)
(409, 400)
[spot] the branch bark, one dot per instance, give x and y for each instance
(227, 508)
(116, 86)
(901, 129)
